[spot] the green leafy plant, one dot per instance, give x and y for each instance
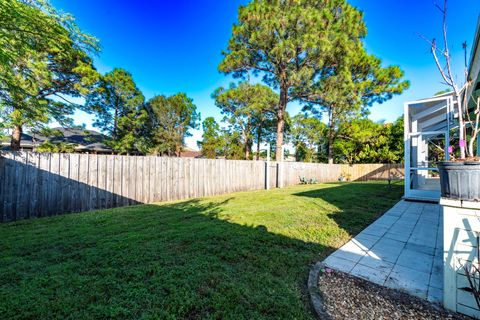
(60, 147)
(305, 180)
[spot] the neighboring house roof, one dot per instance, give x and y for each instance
(94, 147)
(190, 153)
(86, 140)
(74, 136)
(26, 141)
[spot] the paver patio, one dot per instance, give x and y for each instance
(400, 250)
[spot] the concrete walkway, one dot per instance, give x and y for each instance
(400, 250)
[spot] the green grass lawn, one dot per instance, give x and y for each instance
(238, 256)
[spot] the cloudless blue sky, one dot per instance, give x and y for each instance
(175, 46)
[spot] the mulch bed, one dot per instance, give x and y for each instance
(347, 297)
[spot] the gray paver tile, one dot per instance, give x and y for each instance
(409, 280)
(433, 208)
(412, 212)
(339, 264)
(376, 263)
(394, 213)
(436, 278)
(366, 240)
(439, 241)
(400, 228)
(415, 260)
(375, 230)
(406, 222)
(435, 295)
(420, 248)
(390, 244)
(414, 216)
(420, 239)
(352, 251)
(400, 250)
(403, 237)
(386, 221)
(387, 249)
(431, 221)
(371, 274)
(401, 204)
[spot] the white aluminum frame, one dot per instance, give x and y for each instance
(415, 194)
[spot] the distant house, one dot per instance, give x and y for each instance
(190, 153)
(85, 141)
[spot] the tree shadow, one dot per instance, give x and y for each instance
(175, 260)
(30, 191)
(385, 172)
(353, 215)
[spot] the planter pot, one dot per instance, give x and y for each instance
(460, 180)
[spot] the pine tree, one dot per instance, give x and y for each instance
(119, 110)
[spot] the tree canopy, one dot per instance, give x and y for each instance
(362, 140)
(213, 143)
(307, 135)
(44, 60)
(249, 110)
(118, 106)
(291, 43)
(170, 118)
(358, 81)
(307, 51)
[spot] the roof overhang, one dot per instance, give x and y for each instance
(474, 66)
(428, 115)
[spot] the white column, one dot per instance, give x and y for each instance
(461, 227)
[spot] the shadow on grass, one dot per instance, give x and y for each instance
(358, 203)
(170, 261)
(152, 261)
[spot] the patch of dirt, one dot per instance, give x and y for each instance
(468, 159)
(348, 297)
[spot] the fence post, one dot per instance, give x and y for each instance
(267, 169)
(280, 170)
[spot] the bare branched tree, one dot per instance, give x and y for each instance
(460, 92)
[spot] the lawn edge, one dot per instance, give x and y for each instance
(316, 299)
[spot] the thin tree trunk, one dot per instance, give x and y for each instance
(259, 137)
(331, 131)
(281, 123)
(16, 138)
(475, 129)
(178, 150)
(247, 149)
(115, 122)
(461, 124)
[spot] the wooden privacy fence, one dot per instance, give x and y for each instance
(45, 184)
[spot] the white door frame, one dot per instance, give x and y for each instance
(429, 195)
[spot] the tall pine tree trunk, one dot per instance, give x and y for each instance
(115, 122)
(259, 138)
(247, 149)
(16, 138)
(281, 122)
(330, 138)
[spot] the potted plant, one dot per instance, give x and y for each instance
(459, 178)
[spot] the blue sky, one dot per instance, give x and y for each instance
(175, 46)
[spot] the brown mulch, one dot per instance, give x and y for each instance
(347, 297)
